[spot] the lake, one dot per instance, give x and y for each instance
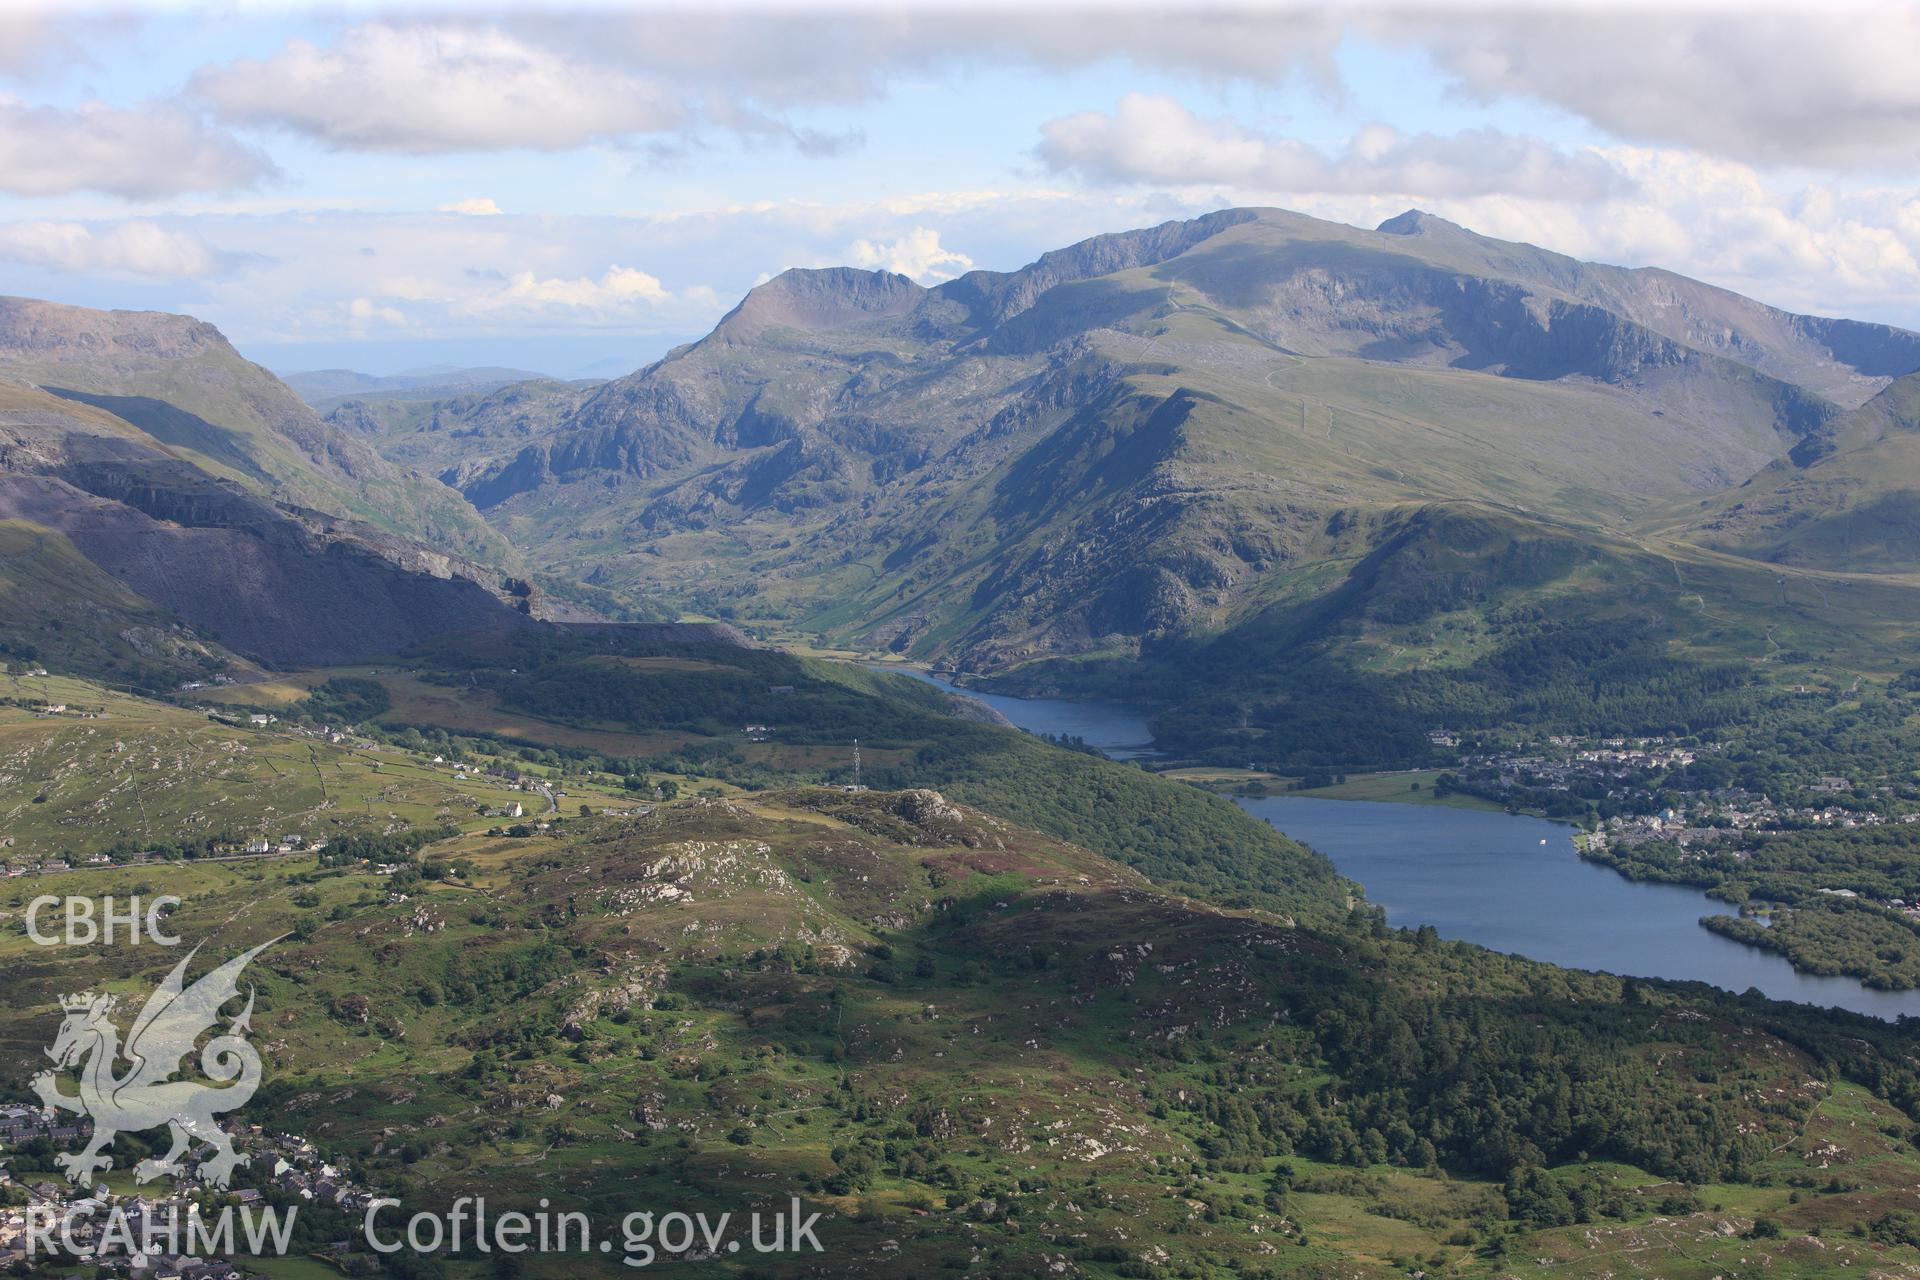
(1485, 877)
(1120, 732)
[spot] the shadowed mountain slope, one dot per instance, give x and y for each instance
(143, 558)
(178, 380)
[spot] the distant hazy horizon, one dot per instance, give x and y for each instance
(555, 356)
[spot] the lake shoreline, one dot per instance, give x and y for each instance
(1390, 786)
(1517, 884)
(1386, 816)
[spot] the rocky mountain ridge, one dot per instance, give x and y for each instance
(1144, 434)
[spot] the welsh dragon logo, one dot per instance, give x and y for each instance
(145, 1096)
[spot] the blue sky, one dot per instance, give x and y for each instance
(573, 191)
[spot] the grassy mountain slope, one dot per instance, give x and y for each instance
(1467, 617)
(1847, 498)
(1151, 435)
(916, 1016)
(683, 704)
(120, 771)
(181, 382)
(65, 612)
(242, 575)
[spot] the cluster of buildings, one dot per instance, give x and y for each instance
(258, 848)
(1721, 815)
(48, 866)
(1634, 778)
(293, 842)
(1608, 760)
(143, 1236)
(1631, 772)
(21, 1123)
(296, 1168)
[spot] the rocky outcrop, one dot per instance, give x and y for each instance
(70, 334)
(816, 300)
(358, 417)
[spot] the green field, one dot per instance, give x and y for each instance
(1397, 787)
(117, 770)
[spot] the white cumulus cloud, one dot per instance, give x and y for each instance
(534, 76)
(425, 89)
(478, 207)
(918, 253)
(1156, 139)
(121, 249)
(1832, 84)
(139, 153)
(363, 312)
(787, 55)
(619, 291)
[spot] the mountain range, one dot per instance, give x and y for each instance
(613, 916)
(325, 389)
(1195, 428)
(1253, 428)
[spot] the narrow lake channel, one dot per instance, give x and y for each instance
(1508, 882)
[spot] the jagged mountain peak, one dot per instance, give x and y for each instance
(1418, 222)
(994, 297)
(1249, 257)
(822, 298)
